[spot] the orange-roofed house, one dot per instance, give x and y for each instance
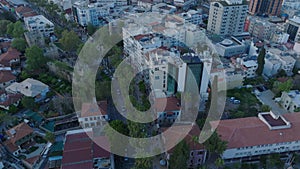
(11, 58)
(81, 151)
(18, 136)
(251, 137)
(6, 78)
(93, 114)
(167, 109)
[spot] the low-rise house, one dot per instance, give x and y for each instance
(92, 115)
(167, 109)
(184, 4)
(80, 151)
(6, 78)
(17, 137)
(276, 60)
(291, 100)
(23, 11)
(4, 46)
(197, 151)
(192, 16)
(271, 66)
(7, 100)
(11, 58)
(252, 137)
(250, 68)
(163, 8)
(39, 23)
(29, 88)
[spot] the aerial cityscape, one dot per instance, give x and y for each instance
(149, 84)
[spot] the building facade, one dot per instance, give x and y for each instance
(227, 17)
(249, 138)
(268, 7)
(39, 23)
(293, 29)
(291, 100)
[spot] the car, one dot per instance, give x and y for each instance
(232, 99)
(118, 92)
(236, 102)
(123, 109)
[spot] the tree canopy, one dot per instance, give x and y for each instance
(35, 59)
(215, 145)
(91, 29)
(70, 41)
(3, 26)
(19, 44)
(28, 102)
(180, 156)
(261, 62)
(15, 29)
(50, 137)
(283, 86)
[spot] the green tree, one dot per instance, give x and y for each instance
(111, 133)
(143, 163)
(3, 26)
(261, 61)
(219, 162)
(35, 59)
(50, 137)
(180, 156)
(283, 86)
(18, 30)
(29, 103)
(19, 44)
(265, 108)
(70, 41)
(10, 29)
(281, 73)
(297, 109)
(91, 29)
(214, 144)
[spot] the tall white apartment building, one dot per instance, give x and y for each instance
(249, 138)
(227, 17)
(39, 23)
(85, 12)
(161, 50)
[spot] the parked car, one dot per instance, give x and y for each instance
(236, 101)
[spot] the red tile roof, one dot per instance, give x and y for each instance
(85, 148)
(21, 130)
(89, 109)
(23, 9)
(5, 45)
(11, 99)
(167, 104)
(10, 146)
(30, 14)
(11, 54)
(251, 131)
(6, 76)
